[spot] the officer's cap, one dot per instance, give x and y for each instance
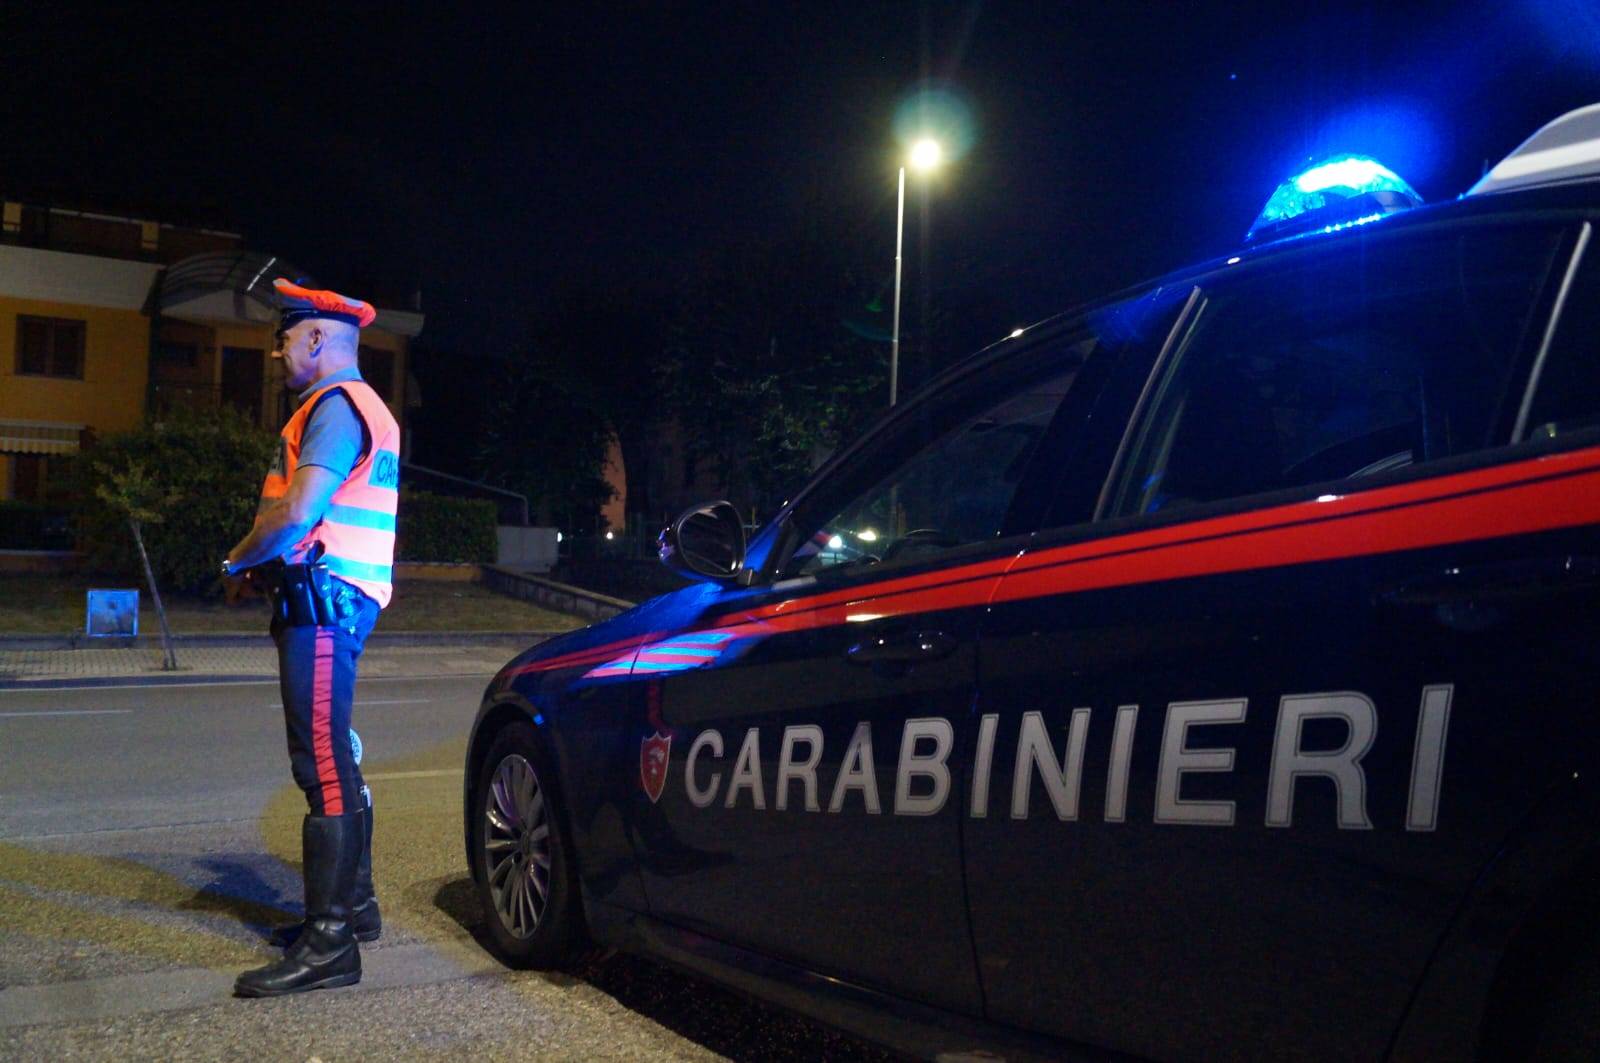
(296, 304)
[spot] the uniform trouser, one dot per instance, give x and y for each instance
(317, 676)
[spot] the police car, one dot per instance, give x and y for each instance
(1213, 671)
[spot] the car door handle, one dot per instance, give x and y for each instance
(1498, 581)
(909, 648)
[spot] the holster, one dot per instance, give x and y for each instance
(307, 595)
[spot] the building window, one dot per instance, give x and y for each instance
(49, 346)
(377, 369)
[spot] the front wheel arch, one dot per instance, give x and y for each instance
(491, 721)
(560, 931)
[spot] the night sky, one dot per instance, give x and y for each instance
(489, 155)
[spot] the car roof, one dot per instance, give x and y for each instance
(1573, 199)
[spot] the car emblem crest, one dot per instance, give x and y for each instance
(653, 764)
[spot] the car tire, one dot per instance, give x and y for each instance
(521, 856)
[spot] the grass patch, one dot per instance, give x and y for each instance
(54, 605)
(437, 605)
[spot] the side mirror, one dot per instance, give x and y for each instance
(706, 542)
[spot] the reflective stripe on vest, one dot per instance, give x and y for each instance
(357, 530)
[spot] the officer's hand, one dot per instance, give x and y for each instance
(234, 587)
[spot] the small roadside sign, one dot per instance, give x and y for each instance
(112, 614)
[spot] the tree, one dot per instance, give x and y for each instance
(774, 361)
(601, 345)
(204, 468)
(129, 489)
(543, 441)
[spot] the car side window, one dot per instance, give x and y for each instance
(953, 490)
(1340, 366)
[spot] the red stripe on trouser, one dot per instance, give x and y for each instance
(321, 724)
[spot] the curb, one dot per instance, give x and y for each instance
(562, 597)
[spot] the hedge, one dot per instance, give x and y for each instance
(210, 463)
(439, 528)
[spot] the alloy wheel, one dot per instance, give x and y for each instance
(516, 845)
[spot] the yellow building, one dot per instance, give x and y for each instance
(104, 318)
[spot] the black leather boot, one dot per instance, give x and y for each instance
(364, 914)
(365, 919)
(325, 954)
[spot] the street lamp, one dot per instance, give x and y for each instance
(925, 157)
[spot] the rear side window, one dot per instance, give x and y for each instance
(1566, 397)
(1340, 366)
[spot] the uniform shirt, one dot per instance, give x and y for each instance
(334, 437)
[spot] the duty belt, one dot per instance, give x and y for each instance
(307, 595)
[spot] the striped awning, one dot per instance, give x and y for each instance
(39, 437)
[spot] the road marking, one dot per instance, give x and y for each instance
(381, 701)
(437, 773)
(48, 686)
(73, 712)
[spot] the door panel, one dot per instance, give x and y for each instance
(806, 732)
(798, 817)
(1221, 860)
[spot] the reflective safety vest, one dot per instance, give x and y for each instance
(357, 531)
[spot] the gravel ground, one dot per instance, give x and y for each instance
(622, 1009)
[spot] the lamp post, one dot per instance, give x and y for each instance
(925, 155)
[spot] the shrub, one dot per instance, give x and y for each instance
(210, 463)
(439, 528)
(35, 526)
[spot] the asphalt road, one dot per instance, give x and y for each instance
(149, 837)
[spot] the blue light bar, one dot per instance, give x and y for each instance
(1327, 190)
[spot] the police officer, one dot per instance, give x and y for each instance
(327, 513)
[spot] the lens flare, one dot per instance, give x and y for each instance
(939, 114)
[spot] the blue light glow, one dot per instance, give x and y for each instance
(1398, 130)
